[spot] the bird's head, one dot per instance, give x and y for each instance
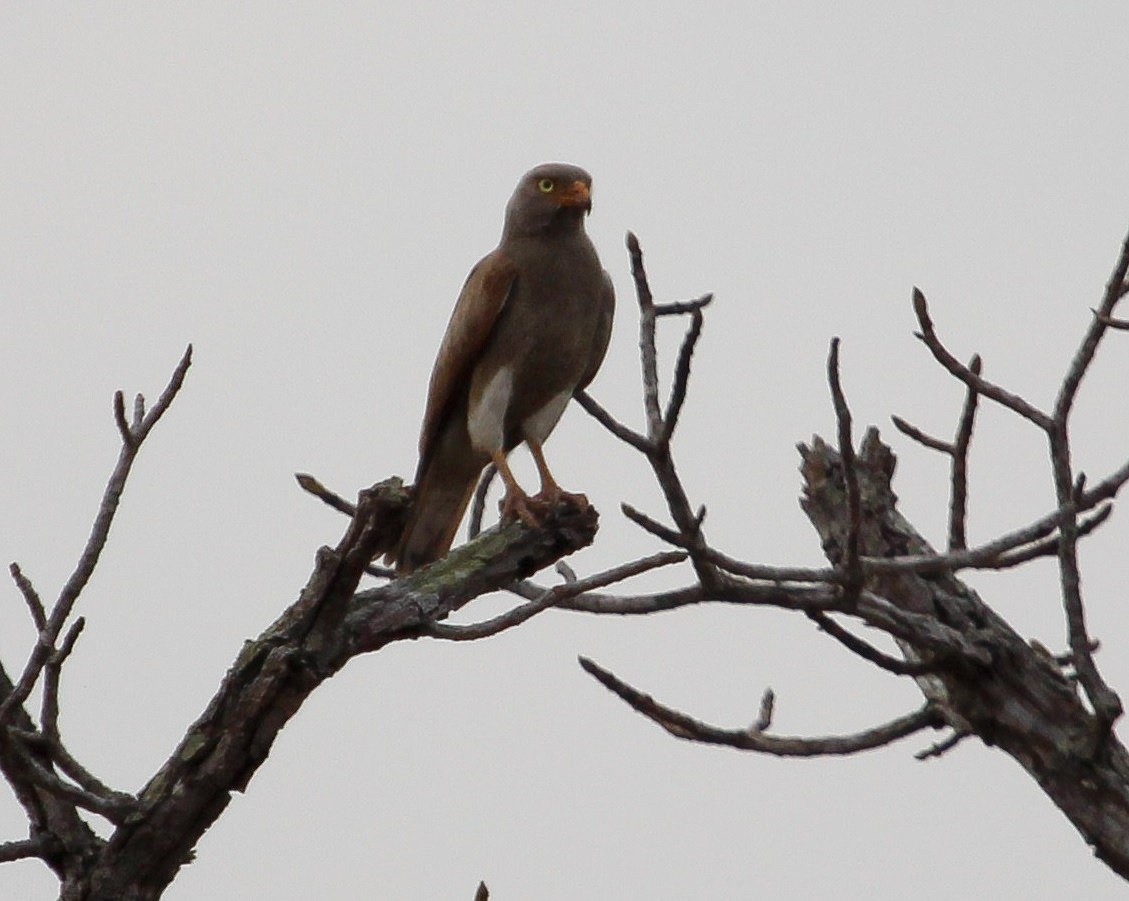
(551, 197)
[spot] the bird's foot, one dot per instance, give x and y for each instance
(533, 511)
(519, 505)
(555, 495)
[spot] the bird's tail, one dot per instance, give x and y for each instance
(442, 493)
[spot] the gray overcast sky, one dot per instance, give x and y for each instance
(300, 190)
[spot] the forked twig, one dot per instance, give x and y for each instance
(132, 440)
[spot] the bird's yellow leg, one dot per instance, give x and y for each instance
(551, 492)
(516, 502)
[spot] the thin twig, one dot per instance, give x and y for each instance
(138, 413)
(764, 716)
(115, 808)
(1048, 546)
(1109, 321)
(681, 307)
(986, 555)
(958, 505)
(627, 435)
(681, 377)
(51, 672)
(310, 484)
(941, 747)
(30, 596)
(994, 392)
(656, 528)
(1084, 356)
(647, 353)
(851, 563)
(119, 417)
(921, 437)
(683, 726)
(550, 598)
(758, 571)
(867, 651)
(478, 504)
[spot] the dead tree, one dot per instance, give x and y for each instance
(1053, 715)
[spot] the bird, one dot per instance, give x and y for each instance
(529, 329)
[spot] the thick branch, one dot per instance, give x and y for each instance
(330, 623)
(1015, 697)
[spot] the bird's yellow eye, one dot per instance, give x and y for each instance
(545, 186)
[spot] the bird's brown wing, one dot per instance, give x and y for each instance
(603, 333)
(480, 302)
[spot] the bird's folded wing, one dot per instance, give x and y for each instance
(480, 302)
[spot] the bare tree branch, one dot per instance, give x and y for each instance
(30, 596)
(551, 598)
(1109, 321)
(681, 375)
(681, 308)
(866, 651)
(958, 505)
(1048, 546)
(623, 433)
(49, 715)
(317, 489)
(115, 808)
(478, 503)
(647, 353)
(1106, 702)
(61, 610)
(683, 726)
(942, 747)
(912, 431)
(40, 846)
(994, 392)
(851, 564)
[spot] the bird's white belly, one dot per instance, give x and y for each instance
(486, 417)
(537, 427)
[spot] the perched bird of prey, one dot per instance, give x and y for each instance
(530, 327)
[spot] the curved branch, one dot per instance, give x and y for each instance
(683, 726)
(551, 597)
(1013, 402)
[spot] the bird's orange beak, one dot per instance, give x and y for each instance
(576, 194)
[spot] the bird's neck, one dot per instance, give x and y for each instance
(563, 223)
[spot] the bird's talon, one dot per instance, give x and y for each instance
(517, 506)
(558, 496)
